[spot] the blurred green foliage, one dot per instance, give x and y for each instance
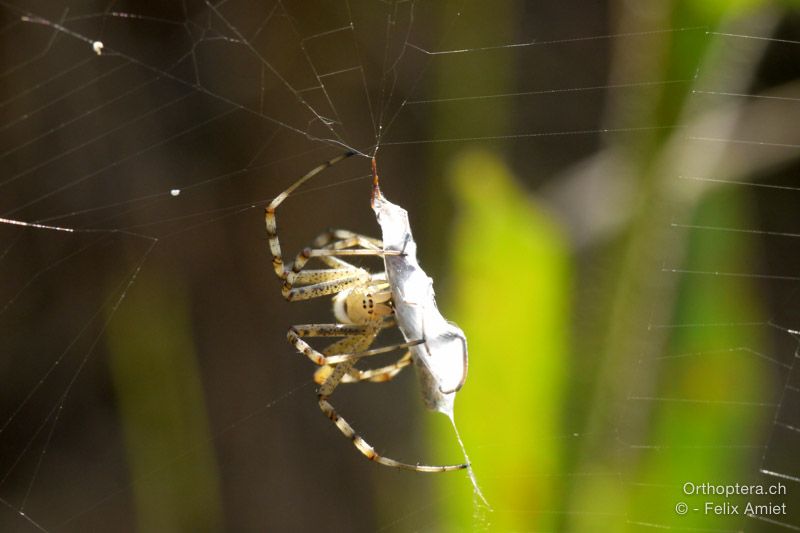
(714, 385)
(160, 397)
(510, 293)
(511, 289)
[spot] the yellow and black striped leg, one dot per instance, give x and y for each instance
(272, 223)
(327, 388)
(322, 283)
(331, 236)
(350, 348)
(326, 281)
(375, 375)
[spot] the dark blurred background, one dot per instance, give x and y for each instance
(604, 192)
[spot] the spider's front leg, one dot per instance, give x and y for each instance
(342, 238)
(269, 214)
(303, 284)
(316, 283)
(329, 248)
(310, 284)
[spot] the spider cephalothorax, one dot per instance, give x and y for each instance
(362, 305)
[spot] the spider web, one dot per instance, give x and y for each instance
(744, 367)
(132, 187)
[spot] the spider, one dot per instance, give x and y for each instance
(364, 305)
